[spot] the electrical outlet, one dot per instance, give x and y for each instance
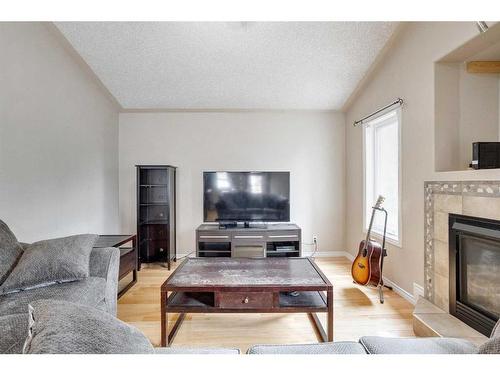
(315, 238)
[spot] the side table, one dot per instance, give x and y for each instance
(128, 256)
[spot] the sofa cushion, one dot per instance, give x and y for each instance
(193, 350)
(90, 292)
(427, 345)
(340, 347)
(492, 346)
(13, 333)
(57, 327)
(10, 251)
(50, 261)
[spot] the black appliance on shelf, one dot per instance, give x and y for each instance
(485, 155)
(156, 222)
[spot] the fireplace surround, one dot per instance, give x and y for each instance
(474, 271)
(442, 199)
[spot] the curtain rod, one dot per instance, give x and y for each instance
(398, 101)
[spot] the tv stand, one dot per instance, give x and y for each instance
(254, 241)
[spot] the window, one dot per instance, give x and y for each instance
(382, 175)
(223, 181)
(256, 184)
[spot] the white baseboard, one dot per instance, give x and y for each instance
(319, 254)
(403, 293)
(418, 291)
(183, 255)
(349, 256)
(326, 254)
(412, 298)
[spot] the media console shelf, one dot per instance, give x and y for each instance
(273, 240)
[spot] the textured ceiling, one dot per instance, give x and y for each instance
(237, 65)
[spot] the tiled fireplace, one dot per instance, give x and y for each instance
(475, 253)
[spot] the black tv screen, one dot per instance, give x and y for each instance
(246, 196)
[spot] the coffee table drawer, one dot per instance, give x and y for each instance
(245, 300)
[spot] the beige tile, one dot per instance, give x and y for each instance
(441, 226)
(429, 321)
(446, 325)
(448, 203)
(487, 207)
(441, 292)
(426, 307)
(420, 329)
(441, 258)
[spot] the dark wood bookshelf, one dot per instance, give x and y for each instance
(156, 216)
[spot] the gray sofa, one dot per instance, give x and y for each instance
(389, 345)
(375, 345)
(99, 291)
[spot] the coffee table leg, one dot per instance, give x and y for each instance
(329, 302)
(164, 319)
(319, 327)
(325, 336)
(171, 334)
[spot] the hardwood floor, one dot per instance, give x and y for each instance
(357, 313)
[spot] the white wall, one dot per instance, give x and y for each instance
(308, 144)
(407, 71)
(466, 111)
(478, 111)
(58, 139)
(447, 117)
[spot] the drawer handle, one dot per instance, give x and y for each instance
(214, 236)
(284, 236)
(245, 300)
(248, 237)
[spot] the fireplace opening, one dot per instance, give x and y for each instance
(474, 245)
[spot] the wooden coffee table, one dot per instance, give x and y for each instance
(242, 285)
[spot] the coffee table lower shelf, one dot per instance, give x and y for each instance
(206, 302)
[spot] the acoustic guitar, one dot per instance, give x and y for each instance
(367, 267)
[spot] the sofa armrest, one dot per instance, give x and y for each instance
(105, 263)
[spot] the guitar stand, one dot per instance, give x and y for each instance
(380, 287)
(381, 291)
(381, 284)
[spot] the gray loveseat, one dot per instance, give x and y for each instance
(99, 291)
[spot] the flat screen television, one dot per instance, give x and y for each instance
(246, 196)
